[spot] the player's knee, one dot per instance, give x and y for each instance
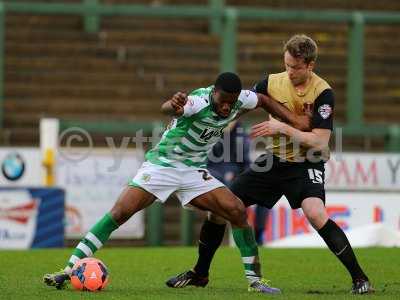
(316, 217)
(315, 211)
(116, 215)
(238, 215)
(119, 214)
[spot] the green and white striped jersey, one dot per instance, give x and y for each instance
(190, 137)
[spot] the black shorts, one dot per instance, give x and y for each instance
(297, 181)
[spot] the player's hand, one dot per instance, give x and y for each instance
(267, 128)
(178, 101)
(308, 109)
(303, 123)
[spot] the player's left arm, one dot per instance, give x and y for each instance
(272, 106)
(322, 124)
(259, 97)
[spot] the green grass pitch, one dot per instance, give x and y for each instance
(140, 273)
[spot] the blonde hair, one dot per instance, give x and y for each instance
(302, 46)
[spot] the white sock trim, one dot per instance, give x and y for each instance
(249, 259)
(73, 259)
(91, 237)
(250, 273)
(85, 249)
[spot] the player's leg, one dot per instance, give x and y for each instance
(308, 192)
(151, 182)
(251, 187)
(131, 200)
(261, 218)
(315, 211)
(223, 203)
(211, 235)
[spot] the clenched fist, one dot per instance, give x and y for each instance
(178, 101)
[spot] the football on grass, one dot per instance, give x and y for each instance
(89, 274)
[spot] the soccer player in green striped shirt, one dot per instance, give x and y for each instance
(177, 164)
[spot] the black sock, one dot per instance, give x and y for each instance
(338, 243)
(211, 236)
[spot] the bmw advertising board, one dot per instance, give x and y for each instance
(20, 167)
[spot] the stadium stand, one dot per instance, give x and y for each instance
(54, 68)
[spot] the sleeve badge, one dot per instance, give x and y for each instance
(325, 111)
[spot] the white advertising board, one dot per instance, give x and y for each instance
(93, 185)
(353, 212)
(362, 171)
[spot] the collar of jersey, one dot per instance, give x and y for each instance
(212, 105)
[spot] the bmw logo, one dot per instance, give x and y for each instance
(13, 166)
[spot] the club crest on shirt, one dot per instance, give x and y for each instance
(325, 111)
(146, 177)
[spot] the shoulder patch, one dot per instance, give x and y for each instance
(325, 111)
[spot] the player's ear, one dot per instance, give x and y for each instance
(311, 65)
(215, 94)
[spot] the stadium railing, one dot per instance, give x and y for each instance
(223, 21)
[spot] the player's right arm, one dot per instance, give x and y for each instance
(175, 106)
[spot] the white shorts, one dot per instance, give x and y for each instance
(186, 182)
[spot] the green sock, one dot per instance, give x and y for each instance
(93, 240)
(244, 239)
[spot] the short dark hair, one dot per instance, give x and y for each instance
(302, 46)
(228, 82)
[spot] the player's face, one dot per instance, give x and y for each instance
(297, 69)
(224, 102)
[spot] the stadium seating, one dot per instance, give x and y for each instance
(54, 68)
